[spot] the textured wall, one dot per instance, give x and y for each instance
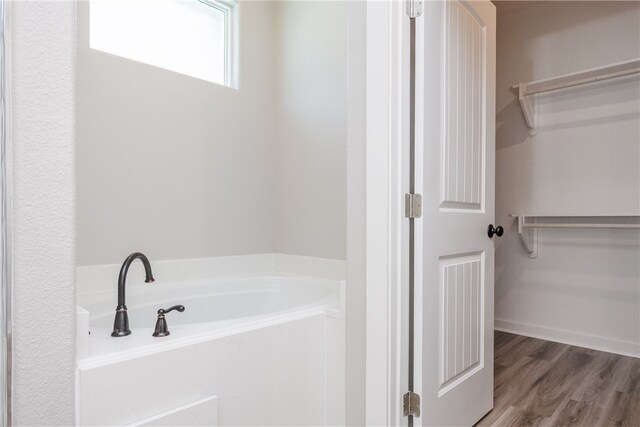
(584, 287)
(42, 92)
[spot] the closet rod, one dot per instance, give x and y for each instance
(603, 226)
(582, 81)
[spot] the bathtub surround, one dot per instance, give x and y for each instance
(269, 366)
(104, 278)
(42, 45)
(214, 307)
(274, 342)
(301, 325)
(583, 288)
(100, 280)
(292, 342)
(234, 172)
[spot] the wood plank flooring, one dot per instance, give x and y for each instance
(543, 383)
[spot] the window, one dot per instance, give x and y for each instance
(186, 36)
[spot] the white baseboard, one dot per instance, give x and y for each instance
(611, 345)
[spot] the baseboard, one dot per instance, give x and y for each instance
(610, 345)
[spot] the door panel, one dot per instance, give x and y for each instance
(455, 131)
(460, 306)
(464, 98)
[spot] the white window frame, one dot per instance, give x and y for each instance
(230, 10)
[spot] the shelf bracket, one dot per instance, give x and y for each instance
(529, 104)
(528, 237)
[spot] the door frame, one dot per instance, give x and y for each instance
(6, 209)
(387, 101)
(387, 169)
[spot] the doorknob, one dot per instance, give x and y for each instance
(498, 230)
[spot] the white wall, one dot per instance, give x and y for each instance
(178, 167)
(311, 99)
(171, 165)
(356, 211)
(42, 49)
(584, 287)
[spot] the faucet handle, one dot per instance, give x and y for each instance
(179, 308)
(162, 329)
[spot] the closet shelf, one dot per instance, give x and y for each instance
(527, 91)
(528, 225)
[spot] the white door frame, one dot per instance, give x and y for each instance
(386, 227)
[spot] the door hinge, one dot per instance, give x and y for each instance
(411, 404)
(412, 205)
(414, 8)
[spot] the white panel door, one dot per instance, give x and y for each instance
(456, 75)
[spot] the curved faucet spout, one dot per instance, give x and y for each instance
(121, 322)
(122, 279)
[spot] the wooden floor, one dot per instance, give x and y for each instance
(542, 383)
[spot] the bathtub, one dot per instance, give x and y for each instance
(259, 342)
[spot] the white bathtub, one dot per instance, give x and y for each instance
(262, 336)
(211, 307)
(215, 300)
